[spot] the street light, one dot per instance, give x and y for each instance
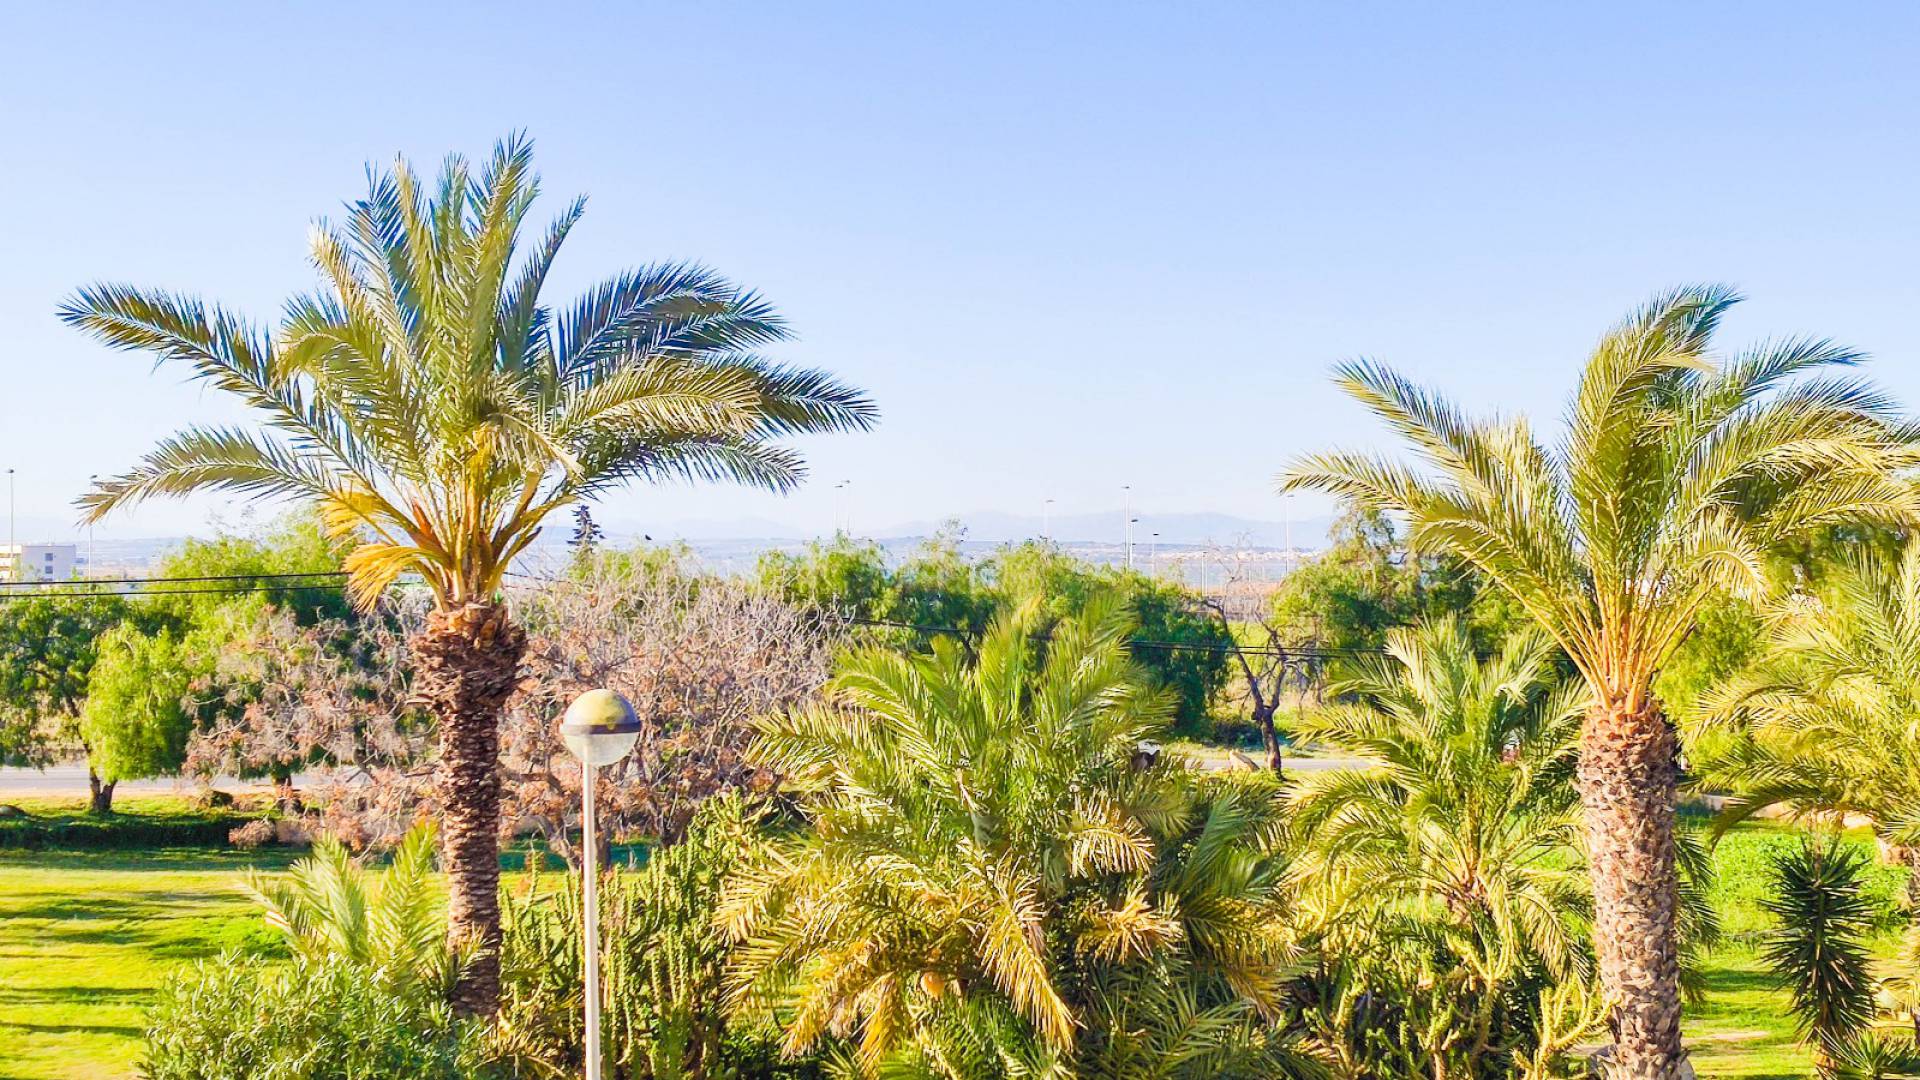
(1126, 517)
(1046, 520)
(599, 729)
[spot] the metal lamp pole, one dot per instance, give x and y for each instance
(599, 729)
(1126, 516)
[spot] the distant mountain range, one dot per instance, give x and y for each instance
(738, 541)
(992, 526)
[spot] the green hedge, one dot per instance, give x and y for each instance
(58, 830)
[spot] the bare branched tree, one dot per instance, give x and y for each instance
(699, 657)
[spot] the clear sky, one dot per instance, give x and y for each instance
(1066, 246)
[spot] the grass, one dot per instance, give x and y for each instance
(87, 936)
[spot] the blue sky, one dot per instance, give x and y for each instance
(1066, 246)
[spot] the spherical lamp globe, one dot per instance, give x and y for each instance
(599, 728)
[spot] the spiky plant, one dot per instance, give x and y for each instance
(1818, 950)
(991, 866)
(392, 921)
(1679, 469)
(438, 410)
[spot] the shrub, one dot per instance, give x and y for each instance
(241, 1018)
(254, 834)
(664, 964)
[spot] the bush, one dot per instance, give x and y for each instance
(664, 964)
(254, 834)
(241, 1018)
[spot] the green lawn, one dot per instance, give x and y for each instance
(85, 937)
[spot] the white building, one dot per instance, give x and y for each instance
(38, 562)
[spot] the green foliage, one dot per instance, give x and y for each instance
(663, 967)
(135, 722)
(1825, 718)
(937, 587)
(436, 408)
(1818, 951)
(1367, 582)
(325, 1018)
(330, 907)
(991, 875)
(257, 563)
(48, 647)
(1441, 883)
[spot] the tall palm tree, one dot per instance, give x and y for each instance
(438, 411)
(1677, 472)
(994, 876)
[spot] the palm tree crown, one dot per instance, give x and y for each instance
(430, 401)
(1677, 474)
(1830, 714)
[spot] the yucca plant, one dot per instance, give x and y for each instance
(1678, 471)
(1818, 950)
(437, 409)
(992, 871)
(392, 921)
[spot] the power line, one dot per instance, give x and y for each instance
(79, 594)
(172, 580)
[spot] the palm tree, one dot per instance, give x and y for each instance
(438, 411)
(1829, 715)
(1455, 843)
(327, 905)
(994, 875)
(1677, 472)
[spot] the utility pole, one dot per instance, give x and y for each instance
(1287, 518)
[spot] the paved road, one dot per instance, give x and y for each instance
(71, 780)
(57, 780)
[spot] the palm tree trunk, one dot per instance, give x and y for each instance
(1628, 766)
(468, 662)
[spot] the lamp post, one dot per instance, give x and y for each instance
(1046, 521)
(599, 728)
(1126, 520)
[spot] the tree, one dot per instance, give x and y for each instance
(135, 722)
(1825, 718)
(437, 411)
(993, 879)
(699, 658)
(1678, 472)
(48, 648)
(291, 563)
(586, 534)
(1448, 855)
